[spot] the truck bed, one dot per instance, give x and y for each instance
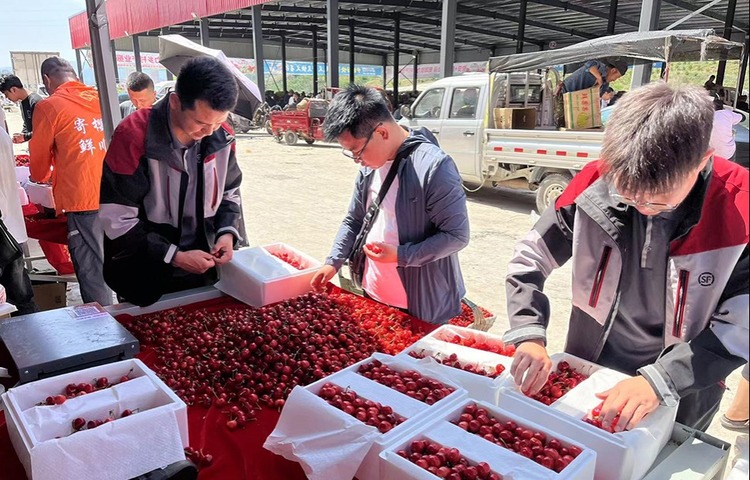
(563, 149)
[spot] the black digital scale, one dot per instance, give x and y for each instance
(58, 341)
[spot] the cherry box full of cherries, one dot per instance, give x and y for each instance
(569, 397)
(477, 361)
(272, 273)
(337, 426)
(65, 426)
(480, 441)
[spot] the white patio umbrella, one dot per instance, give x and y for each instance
(175, 50)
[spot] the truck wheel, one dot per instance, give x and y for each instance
(290, 137)
(309, 141)
(551, 187)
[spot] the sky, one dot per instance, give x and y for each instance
(37, 25)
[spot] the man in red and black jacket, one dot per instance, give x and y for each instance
(657, 232)
(170, 200)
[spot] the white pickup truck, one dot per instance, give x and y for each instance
(459, 110)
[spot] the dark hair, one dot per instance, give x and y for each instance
(207, 79)
(609, 90)
(139, 81)
(658, 135)
(9, 81)
(356, 109)
(56, 66)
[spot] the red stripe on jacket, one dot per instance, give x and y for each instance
(128, 144)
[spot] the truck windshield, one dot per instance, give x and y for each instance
(429, 106)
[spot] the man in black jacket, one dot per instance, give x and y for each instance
(12, 88)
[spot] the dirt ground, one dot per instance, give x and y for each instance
(299, 194)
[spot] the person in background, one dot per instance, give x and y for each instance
(13, 276)
(141, 92)
(710, 85)
(68, 148)
(722, 134)
(607, 96)
(738, 414)
(294, 101)
(594, 73)
(412, 247)
(616, 97)
(12, 88)
(742, 103)
(170, 200)
(657, 231)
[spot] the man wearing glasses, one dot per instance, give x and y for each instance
(657, 231)
(412, 247)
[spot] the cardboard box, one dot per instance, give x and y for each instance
(515, 118)
(582, 109)
(49, 296)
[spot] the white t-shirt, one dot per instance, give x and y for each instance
(10, 205)
(381, 280)
(722, 135)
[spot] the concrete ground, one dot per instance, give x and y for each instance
(299, 194)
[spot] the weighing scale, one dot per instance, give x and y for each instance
(58, 341)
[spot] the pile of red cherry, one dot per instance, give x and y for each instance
(595, 418)
(371, 413)
(452, 361)
(77, 389)
(559, 382)
(81, 423)
(22, 160)
(446, 462)
(199, 457)
(240, 359)
(486, 345)
(548, 452)
(288, 258)
(373, 248)
(466, 317)
(408, 382)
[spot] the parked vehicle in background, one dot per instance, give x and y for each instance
(526, 150)
(162, 88)
(306, 122)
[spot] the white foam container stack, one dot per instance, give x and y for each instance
(40, 194)
(507, 463)
(479, 387)
(326, 428)
(151, 438)
(620, 456)
(256, 277)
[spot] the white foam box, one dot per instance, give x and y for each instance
(507, 463)
(333, 445)
(620, 456)
(479, 387)
(256, 277)
(151, 438)
(40, 194)
(22, 175)
(693, 455)
(23, 197)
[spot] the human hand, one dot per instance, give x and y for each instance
(194, 261)
(18, 138)
(631, 400)
(223, 249)
(532, 359)
(322, 276)
(381, 252)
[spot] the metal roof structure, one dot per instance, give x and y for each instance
(494, 24)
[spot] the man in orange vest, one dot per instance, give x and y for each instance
(68, 148)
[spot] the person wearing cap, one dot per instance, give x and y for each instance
(595, 73)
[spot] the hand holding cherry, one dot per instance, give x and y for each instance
(381, 252)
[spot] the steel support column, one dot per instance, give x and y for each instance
(205, 41)
(385, 72)
(283, 63)
(415, 74)
(104, 68)
(332, 46)
(137, 53)
(448, 37)
(315, 59)
(721, 70)
(260, 71)
(521, 26)
(351, 50)
(396, 53)
(79, 64)
(743, 69)
(113, 49)
(649, 21)
(612, 20)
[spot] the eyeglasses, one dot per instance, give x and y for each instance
(358, 156)
(653, 206)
